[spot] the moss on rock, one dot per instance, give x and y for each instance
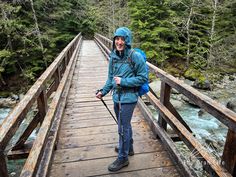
(5, 94)
(151, 77)
(193, 74)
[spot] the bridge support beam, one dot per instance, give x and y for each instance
(3, 165)
(165, 99)
(42, 110)
(229, 154)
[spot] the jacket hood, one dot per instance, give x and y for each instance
(124, 32)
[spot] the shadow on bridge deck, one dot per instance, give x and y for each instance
(88, 134)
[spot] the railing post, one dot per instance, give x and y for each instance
(68, 54)
(42, 110)
(57, 76)
(66, 60)
(42, 104)
(63, 65)
(164, 99)
(229, 154)
(3, 165)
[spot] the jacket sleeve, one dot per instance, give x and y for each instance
(141, 74)
(108, 86)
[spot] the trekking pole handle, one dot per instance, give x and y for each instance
(99, 90)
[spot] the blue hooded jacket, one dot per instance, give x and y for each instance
(131, 77)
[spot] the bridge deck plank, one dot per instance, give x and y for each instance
(88, 133)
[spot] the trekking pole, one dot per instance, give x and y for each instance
(107, 108)
(120, 119)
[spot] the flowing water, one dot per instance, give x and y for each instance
(15, 166)
(3, 113)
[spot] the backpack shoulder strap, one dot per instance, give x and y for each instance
(130, 60)
(112, 65)
(131, 52)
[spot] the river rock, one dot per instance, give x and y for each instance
(15, 97)
(156, 86)
(204, 85)
(201, 112)
(186, 99)
(231, 78)
(231, 105)
(13, 173)
(177, 104)
(7, 102)
(174, 91)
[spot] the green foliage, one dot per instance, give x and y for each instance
(152, 77)
(192, 30)
(169, 31)
(108, 15)
(153, 28)
(4, 57)
(21, 52)
(192, 74)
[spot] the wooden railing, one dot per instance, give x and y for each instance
(169, 115)
(56, 78)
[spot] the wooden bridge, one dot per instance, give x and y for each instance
(76, 135)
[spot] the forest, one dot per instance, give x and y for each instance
(188, 38)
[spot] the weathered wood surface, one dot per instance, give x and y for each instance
(34, 159)
(229, 154)
(10, 125)
(223, 114)
(3, 166)
(188, 138)
(88, 133)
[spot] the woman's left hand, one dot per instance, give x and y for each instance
(117, 80)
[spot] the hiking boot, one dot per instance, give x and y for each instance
(118, 164)
(131, 151)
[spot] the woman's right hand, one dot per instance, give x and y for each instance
(99, 95)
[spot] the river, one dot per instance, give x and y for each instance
(15, 166)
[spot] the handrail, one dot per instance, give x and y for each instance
(39, 93)
(169, 115)
(39, 143)
(223, 114)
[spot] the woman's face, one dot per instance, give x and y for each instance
(120, 43)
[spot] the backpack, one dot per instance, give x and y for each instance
(143, 89)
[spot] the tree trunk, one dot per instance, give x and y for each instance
(210, 59)
(188, 33)
(113, 16)
(37, 30)
(9, 44)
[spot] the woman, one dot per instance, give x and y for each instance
(124, 80)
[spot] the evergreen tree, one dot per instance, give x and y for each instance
(224, 41)
(34, 32)
(109, 15)
(154, 31)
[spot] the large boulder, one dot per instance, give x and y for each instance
(203, 84)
